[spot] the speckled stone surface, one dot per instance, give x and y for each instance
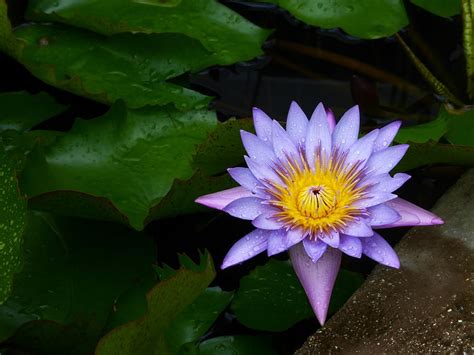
(428, 305)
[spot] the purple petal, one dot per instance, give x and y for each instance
(347, 129)
(252, 244)
(314, 248)
(373, 199)
(221, 199)
(246, 208)
(276, 242)
(317, 278)
(245, 178)
(351, 246)
(379, 250)
(262, 171)
(386, 135)
(385, 160)
(318, 135)
(362, 148)
(382, 215)
(266, 221)
(385, 183)
(294, 236)
(331, 238)
(358, 229)
(283, 146)
(257, 149)
(331, 120)
(263, 125)
(296, 124)
(411, 215)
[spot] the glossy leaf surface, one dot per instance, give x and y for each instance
(22, 110)
(224, 33)
(12, 223)
(268, 292)
(131, 67)
(73, 272)
(125, 160)
(364, 18)
(165, 302)
(444, 8)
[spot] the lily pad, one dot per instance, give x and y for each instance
(227, 35)
(194, 321)
(12, 223)
(361, 18)
(131, 67)
(221, 149)
(73, 272)
(436, 153)
(127, 159)
(166, 301)
(267, 294)
(422, 133)
(443, 8)
(237, 345)
(460, 127)
(21, 110)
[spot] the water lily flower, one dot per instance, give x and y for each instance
(318, 190)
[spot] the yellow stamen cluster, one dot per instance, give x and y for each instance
(319, 199)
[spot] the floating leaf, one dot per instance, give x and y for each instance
(73, 272)
(22, 110)
(444, 8)
(223, 147)
(422, 133)
(221, 150)
(237, 345)
(460, 127)
(7, 39)
(132, 67)
(227, 35)
(435, 153)
(166, 301)
(12, 223)
(117, 166)
(194, 321)
(364, 18)
(268, 292)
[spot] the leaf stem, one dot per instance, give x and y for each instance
(467, 9)
(437, 85)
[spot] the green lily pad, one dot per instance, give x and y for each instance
(122, 163)
(21, 110)
(166, 301)
(131, 67)
(435, 153)
(194, 321)
(7, 39)
(221, 149)
(12, 223)
(361, 18)
(460, 127)
(271, 297)
(443, 8)
(237, 345)
(73, 272)
(227, 35)
(422, 133)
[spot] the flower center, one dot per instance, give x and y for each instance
(318, 199)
